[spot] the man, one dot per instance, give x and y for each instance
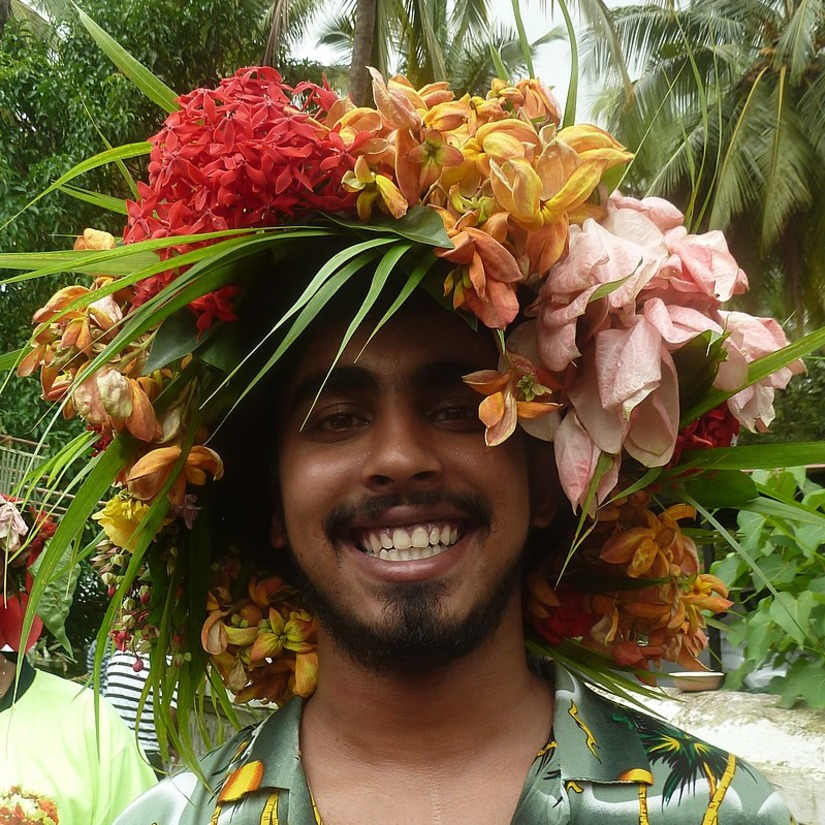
(427, 709)
(411, 511)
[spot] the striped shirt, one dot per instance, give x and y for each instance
(124, 688)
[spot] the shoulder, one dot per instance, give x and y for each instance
(690, 780)
(635, 767)
(188, 797)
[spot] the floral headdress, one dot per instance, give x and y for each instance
(608, 313)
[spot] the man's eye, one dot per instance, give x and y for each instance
(340, 422)
(463, 413)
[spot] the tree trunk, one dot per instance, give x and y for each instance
(359, 79)
(5, 14)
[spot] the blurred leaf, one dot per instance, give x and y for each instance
(804, 680)
(155, 89)
(725, 488)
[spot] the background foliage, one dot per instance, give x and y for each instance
(780, 618)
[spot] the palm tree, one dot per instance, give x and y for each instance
(727, 117)
(429, 40)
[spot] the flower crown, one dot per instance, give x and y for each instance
(622, 354)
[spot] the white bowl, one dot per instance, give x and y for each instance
(695, 680)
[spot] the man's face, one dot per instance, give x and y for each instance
(407, 527)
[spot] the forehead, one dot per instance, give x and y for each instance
(418, 339)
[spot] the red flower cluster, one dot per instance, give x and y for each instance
(242, 155)
(569, 618)
(717, 428)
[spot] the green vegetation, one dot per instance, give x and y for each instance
(778, 583)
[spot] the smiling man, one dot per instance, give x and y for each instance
(440, 480)
(408, 536)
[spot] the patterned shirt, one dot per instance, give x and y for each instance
(605, 763)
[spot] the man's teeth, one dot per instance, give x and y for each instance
(409, 543)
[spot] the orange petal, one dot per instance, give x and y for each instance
(213, 634)
(486, 381)
(142, 423)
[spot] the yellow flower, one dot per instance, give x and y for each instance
(120, 518)
(371, 187)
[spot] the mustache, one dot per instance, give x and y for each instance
(470, 506)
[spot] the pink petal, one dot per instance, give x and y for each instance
(655, 422)
(628, 366)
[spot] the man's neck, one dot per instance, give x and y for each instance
(379, 717)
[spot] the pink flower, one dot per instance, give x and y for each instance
(749, 338)
(577, 458)
(626, 249)
(701, 268)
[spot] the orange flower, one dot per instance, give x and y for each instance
(373, 187)
(525, 391)
(485, 280)
(151, 472)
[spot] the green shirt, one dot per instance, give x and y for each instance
(65, 756)
(604, 764)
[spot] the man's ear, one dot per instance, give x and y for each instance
(545, 489)
(277, 528)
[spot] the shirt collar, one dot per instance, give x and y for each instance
(597, 739)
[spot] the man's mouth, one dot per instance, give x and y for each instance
(409, 543)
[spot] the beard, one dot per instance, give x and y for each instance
(415, 634)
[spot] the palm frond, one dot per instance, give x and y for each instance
(798, 42)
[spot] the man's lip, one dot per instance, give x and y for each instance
(407, 517)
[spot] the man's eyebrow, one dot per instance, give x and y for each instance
(443, 373)
(339, 380)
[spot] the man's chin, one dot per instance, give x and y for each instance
(415, 633)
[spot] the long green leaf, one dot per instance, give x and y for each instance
(310, 310)
(118, 262)
(792, 511)
(107, 202)
(754, 457)
(104, 468)
(153, 87)
(415, 278)
(130, 150)
(379, 281)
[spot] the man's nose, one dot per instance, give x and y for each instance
(402, 451)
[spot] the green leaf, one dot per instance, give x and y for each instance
(792, 614)
(498, 63)
(421, 225)
(107, 202)
(379, 280)
(804, 680)
(177, 336)
(753, 457)
(697, 363)
(58, 595)
(103, 469)
(153, 87)
(9, 360)
(759, 369)
(126, 261)
(724, 488)
(130, 150)
(792, 511)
